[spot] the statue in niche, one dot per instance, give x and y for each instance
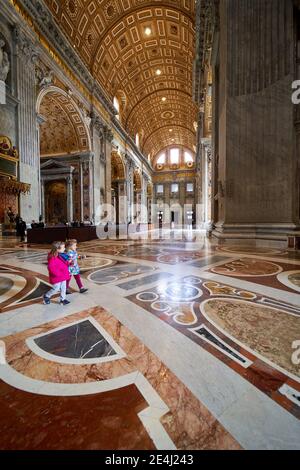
(4, 62)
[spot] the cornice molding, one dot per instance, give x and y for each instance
(117, 126)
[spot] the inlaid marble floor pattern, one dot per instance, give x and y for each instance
(176, 345)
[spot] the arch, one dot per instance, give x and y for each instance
(117, 167)
(183, 163)
(64, 130)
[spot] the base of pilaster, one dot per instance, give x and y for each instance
(256, 234)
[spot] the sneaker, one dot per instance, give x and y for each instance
(83, 290)
(64, 302)
(46, 299)
(68, 291)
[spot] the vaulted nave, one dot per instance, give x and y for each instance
(149, 225)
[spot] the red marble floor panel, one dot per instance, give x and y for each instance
(188, 423)
(258, 271)
(102, 421)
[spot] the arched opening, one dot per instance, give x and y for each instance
(120, 103)
(65, 178)
(56, 201)
(117, 107)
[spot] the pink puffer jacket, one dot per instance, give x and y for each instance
(58, 269)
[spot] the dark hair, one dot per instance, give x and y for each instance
(55, 247)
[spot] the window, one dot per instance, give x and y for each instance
(160, 189)
(117, 106)
(137, 140)
(174, 156)
(188, 158)
(190, 187)
(174, 188)
(161, 159)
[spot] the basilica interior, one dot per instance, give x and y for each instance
(163, 136)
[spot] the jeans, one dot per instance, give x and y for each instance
(78, 281)
(59, 287)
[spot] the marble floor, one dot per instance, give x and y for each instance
(178, 344)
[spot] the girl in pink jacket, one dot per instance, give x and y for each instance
(58, 273)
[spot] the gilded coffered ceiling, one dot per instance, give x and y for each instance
(144, 49)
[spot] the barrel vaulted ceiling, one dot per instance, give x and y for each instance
(143, 52)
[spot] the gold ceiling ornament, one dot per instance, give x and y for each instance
(10, 186)
(124, 44)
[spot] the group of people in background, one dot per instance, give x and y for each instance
(62, 265)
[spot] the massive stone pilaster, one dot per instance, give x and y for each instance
(25, 57)
(108, 138)
(254, 154)
(144, 215)
(130, 188)
(99, 167)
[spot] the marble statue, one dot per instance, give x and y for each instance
(47, 79)
(4, 62)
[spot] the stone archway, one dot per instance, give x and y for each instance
(64, 137)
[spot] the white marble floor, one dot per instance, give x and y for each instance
(245, 408)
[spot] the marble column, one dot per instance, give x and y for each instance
(25, 58)
(108, 138)
(99, 166)
(39, 121)
(254, 153)
(130, 189)
(144, 209)
(86, 163)
(206, 183)
(70, 198)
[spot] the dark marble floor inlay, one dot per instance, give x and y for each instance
(5, 285)
(208, 261)
(206, 334)
(106, 275)
(80, 341)
(41, 289)
(144, 280)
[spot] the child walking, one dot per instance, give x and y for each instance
(58, 273)
(74, 270)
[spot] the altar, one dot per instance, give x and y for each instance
(61, 233)
(10, 186)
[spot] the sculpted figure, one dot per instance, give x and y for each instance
(4, 62)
